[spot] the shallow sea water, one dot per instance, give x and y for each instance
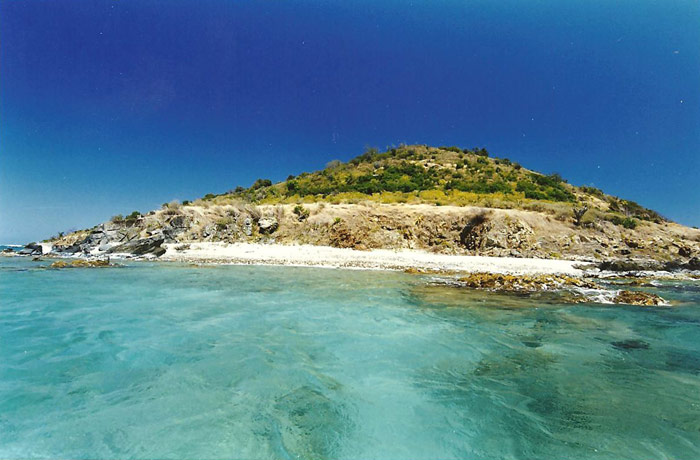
(171, 361)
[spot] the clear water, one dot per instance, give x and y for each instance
(169, 361)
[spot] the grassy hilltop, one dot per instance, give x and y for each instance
(441, 176)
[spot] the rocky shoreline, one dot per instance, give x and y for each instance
(437, 229)
(498, 274)
(494, 249)
(579, 289)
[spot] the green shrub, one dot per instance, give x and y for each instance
(291, 187)
(301, 212)
(221, 224)
(370, 154)
(593, 191)
(133, 217)
(545, 188)
(479, 186)
(630, 208)
(260, 183)
(627, 222)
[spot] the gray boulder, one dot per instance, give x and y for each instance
(629, 265)
(96, 237)
(179, 222)
(70, 249)
(248, 226)
(170, 234)
(268, 225)
(141, 247)
(32, 249)
(110, 226)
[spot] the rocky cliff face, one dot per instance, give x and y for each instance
(442, 229)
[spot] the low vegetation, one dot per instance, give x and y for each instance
(447, 175)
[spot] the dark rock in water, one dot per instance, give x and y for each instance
(629, 265)
(32, 249)
(80, 264)
(523, 283)
(638, 298)
(8, 251)
(631, 345)
(684, 361)
(141, 247)
(532, 343)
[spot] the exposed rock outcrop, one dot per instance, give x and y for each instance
(523, 283)
(152, 245)
(629, 265)
(484, 232)
(80, 263)
(267, 225)
(440, 229)
(248, 226)
(685, 251)
(32, 249)
(638, 298)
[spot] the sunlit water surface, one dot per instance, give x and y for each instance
(168, 361)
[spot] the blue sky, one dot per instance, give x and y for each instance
(112, 106)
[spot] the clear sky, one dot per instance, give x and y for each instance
(112, 106)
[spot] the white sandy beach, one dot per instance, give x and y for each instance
(323, 256)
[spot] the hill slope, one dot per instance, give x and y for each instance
(445, 200)
(445, 175)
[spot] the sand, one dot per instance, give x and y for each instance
(323, 256)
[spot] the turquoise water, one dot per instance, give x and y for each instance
(170, 361)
